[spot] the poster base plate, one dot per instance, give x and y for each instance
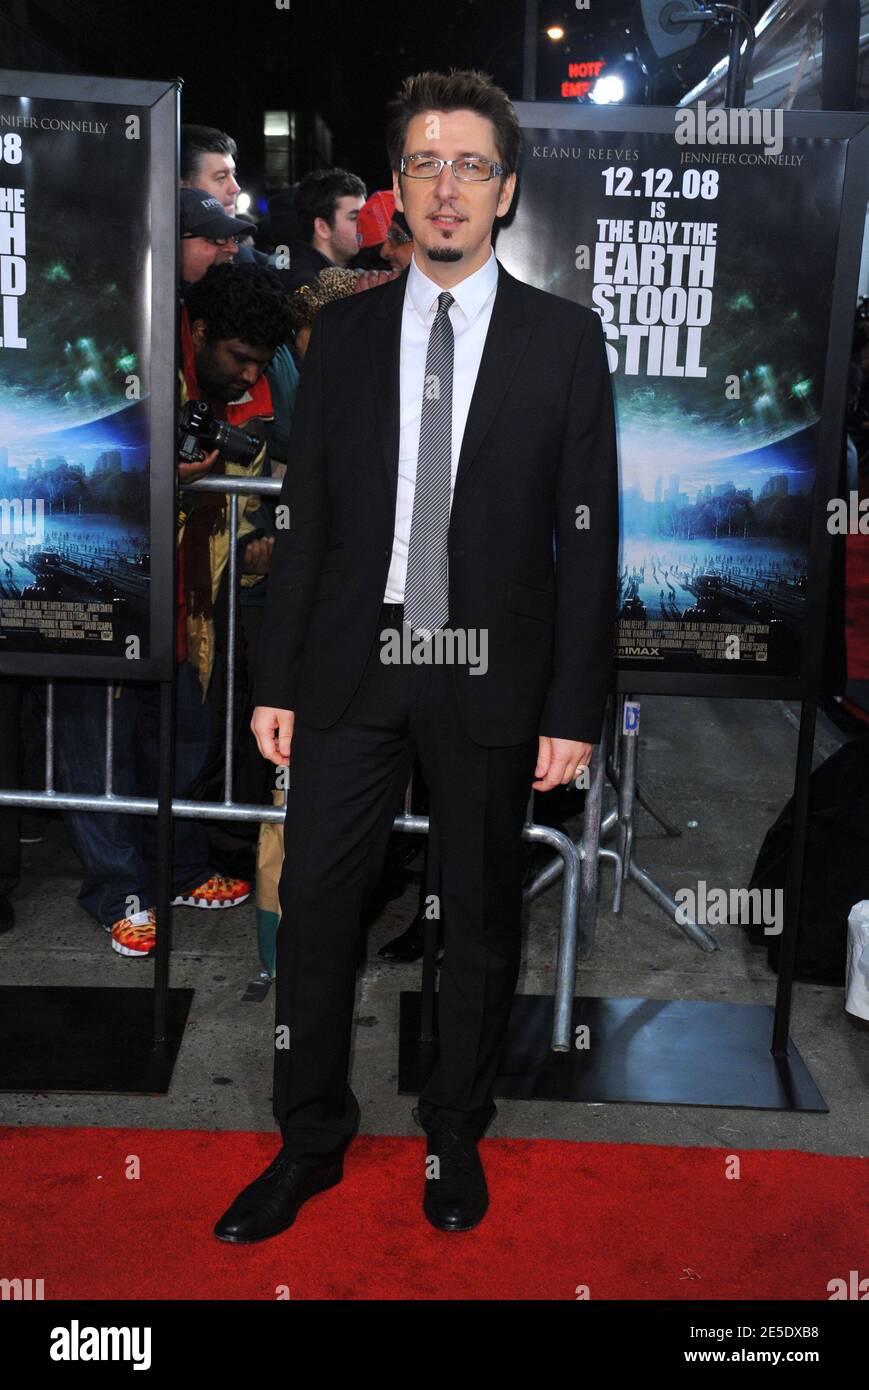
(647, 1051)
(65, 1038)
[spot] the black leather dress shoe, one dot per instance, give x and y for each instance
(271, 1202)
(456, 1196)
(7, 914)
(409, 945)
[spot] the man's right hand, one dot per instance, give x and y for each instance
(273, 731)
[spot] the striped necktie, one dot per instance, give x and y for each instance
(426, 590)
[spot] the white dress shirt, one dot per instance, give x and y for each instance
(470, 313)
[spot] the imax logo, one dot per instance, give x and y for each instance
(26, 1289)
(17, 519)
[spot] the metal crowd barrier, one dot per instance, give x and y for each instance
(572, 855)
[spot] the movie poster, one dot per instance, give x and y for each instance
(712, 269)
(75, 309)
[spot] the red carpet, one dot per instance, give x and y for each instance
(628, 1220)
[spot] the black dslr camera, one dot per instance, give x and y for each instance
(200, 433)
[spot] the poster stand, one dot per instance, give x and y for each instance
(100, 1038)
(113, 1040)
(624, 777)
(664, 1052)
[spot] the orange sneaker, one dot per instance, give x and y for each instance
(135, 935)
(217, 891)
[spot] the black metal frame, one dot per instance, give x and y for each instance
(143, 1029)
(158, 103)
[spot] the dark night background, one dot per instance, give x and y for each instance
(342, 61)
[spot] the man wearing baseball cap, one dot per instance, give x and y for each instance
(208, 233)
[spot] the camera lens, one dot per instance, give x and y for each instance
(238, 446)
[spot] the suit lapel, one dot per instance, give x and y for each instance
(506, 340)
(384, 367)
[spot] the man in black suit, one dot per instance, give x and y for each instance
(452, 476)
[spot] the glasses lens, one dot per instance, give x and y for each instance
(422, 166)
(472, 170)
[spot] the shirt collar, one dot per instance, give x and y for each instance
(470, 294)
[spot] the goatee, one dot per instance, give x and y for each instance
(444, 253)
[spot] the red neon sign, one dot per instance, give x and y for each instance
(574, 88)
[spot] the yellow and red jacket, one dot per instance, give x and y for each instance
(195, 640)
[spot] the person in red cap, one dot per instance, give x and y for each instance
(373, 221)
(397, 249)
(383, 235)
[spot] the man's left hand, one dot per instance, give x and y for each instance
(370, 279)
(257, 555)
(559, 761)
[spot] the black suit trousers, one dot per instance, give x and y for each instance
(346, 782)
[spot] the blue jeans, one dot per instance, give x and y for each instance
(119, 850)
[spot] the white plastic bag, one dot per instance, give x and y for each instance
(857, 968)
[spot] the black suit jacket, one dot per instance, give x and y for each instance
(538, 444)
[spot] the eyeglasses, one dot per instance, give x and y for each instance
(473, 170)
(214, 240)
(398, 237)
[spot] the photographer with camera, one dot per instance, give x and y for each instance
(235, 420)
(233, 322)
(236, 319)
